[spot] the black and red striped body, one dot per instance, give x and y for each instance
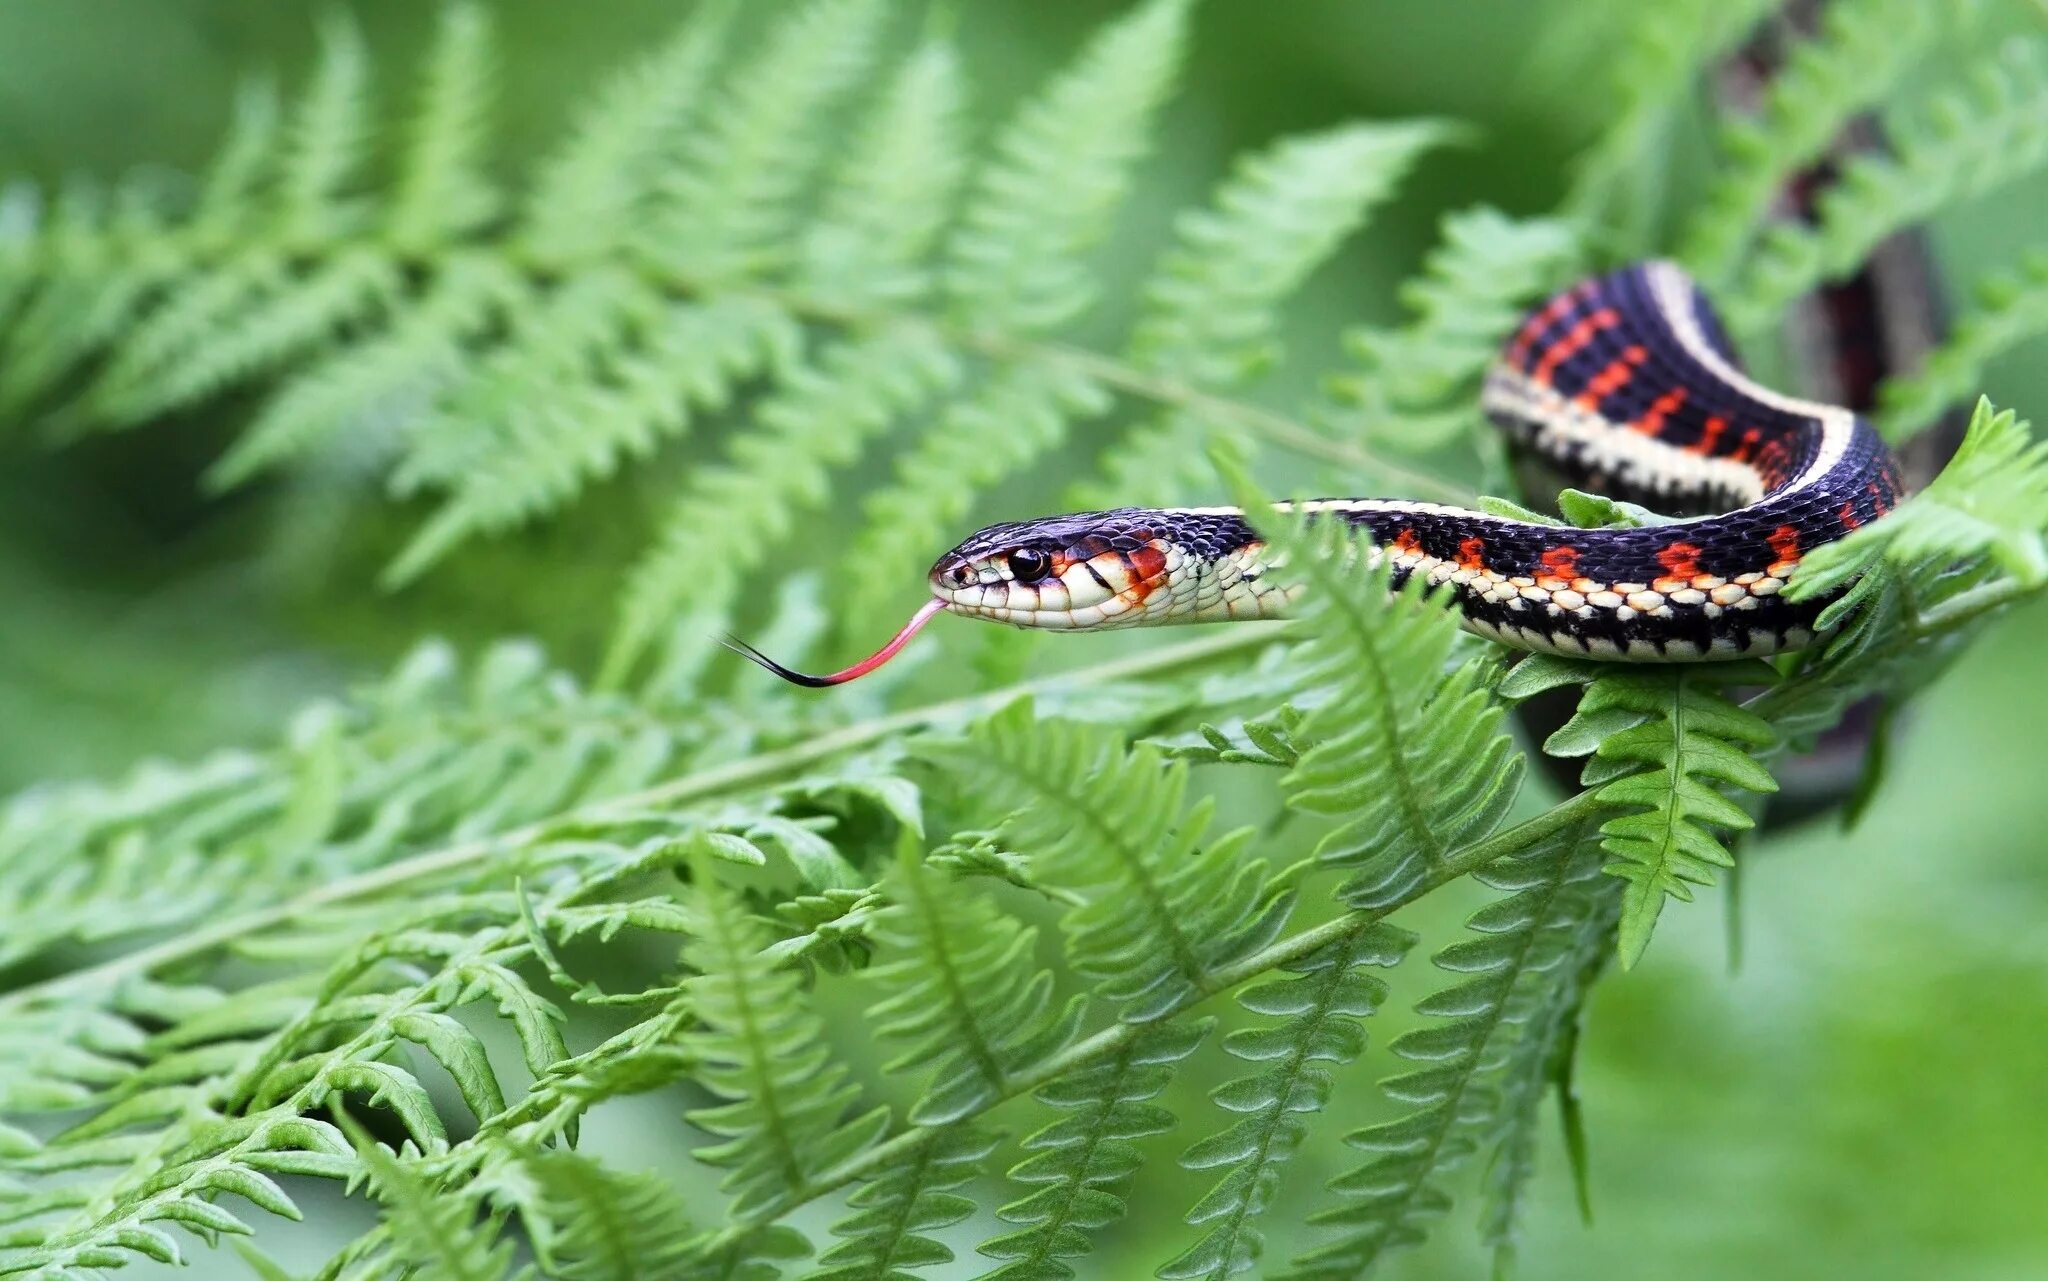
(1627, 384)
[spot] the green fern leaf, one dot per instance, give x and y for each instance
(763, 1051)
(603, 1224)
(532, 447)
(1964, 143)
(732, 202)
(592, 195)
(359, 394)
(1085, 1159)
(1323, 1010)
(1469, 296)
(1061, 167)
(1862, 51)
(912, 1196)
(1391, 1202)
(1165, 904)
(964, 995)
(893, 192)
(327, 140)
(1212, 305)
(731, 515)
(1413, 764)
(436, 1238)
(1573, 941)
(2011, 310)
(233, 187)
(1663, 745)
(443, 193)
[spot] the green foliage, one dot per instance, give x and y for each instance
(1662, 745)
(472, 905)
(1323, 1009)
(1964, 142)
(1165, 906)
(1085, 1160)
(2012, 308)
(1517, 991)
(1414, 763)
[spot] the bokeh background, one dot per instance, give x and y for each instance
(1865, 1093)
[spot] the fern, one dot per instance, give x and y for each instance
(1662, 745)
(890, 1210)
(1413, 764)
(1084, 1160)
(964, 996)
(1165, 906)
(2012, 309)
(761, 1050)
(1325, 1006)
(1862, 51)
(451, 903)
(1964, 143)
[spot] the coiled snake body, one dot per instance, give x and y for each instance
(1625, 381)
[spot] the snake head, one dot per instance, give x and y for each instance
(1085, 570)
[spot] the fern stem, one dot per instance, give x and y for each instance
(1115, 1038)
(691, 787)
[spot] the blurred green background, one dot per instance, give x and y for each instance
(1867, 1094)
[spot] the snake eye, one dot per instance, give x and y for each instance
(1028, 565)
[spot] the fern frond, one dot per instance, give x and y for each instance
(1413, 765)
(512, 446)
(443, 192)
(436, 1238)
(327, 139)
(731, 203)
(592, 195)
(1862, 51)
(759, 1048)
(1663, 745)
(730, 515)
(1470, 294)
(1390, 1202)
(1165, 904)
(356, 398)
(1085, 1159)
(2011, 310)
(1212, 304)
(1323, 1009)
(893, 193)
(1655, 68)
(1573, 943)
(1023, 412)
(1060, 167)
(964, 996)
(913, 1196)
(1964, 143)
(603, 1224)
(1991, 500)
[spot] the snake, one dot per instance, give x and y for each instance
(1626, 383)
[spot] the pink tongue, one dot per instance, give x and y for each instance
(862, 668)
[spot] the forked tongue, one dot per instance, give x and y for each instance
(862, 668)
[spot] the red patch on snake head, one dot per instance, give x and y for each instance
(1470, 553)
(1561, 563)
(1148, 571)
(1784, 541)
